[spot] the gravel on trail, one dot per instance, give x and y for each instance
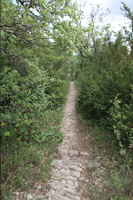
(75, 172)
(69, 173)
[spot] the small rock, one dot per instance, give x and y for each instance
(98, 158)
(62, 171)
(63, 181)
(68, 172)
(73, 152)
(72, 133)
(29, 197)
(14, 193)
(73, 167)
(56, 186)
(71, 178)
(84, 153)
(17, 193)
(76, 184)
(77, 198)
(86, 162)
(57, 163)
(70, 190)
(96, 183)
(70, 195)
(78, 164)
(52, 192)
(63, 151)
(76, 173)
(64, 198)
(39, 187)
(40, 197)
(69, 182)
(21, 193)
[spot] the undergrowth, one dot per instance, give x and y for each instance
(118, 177)
(105, 100)
(31, 110)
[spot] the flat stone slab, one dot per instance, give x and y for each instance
(70, 178)
(76, 184)
(38, 197)
(76, 173)
(62, 171)
(52, 192)
(78, 164)
(56, 186)
(63, 181)
(73, 152)
(70, 183)
(39, 187)
(70, 167)
(63, 150)
(76, 198)
(57, 163)
(69, 190)
(72, 133)
(74, 167)
(63, 198)
(84, 153)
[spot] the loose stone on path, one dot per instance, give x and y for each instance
(69, 172)
(76, 171)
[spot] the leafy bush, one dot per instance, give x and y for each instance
(122, 117)
(21, 101)
(29, 107)
(102, 82)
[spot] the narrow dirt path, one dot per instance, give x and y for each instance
(69, 175)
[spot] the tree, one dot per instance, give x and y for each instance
(37, 36)
(128, 35)
(35, 28)
(93, 36)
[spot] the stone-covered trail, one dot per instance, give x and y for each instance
(78, 171)
(69, 174)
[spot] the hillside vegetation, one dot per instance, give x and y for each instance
(38, 39)
(104, 78)
(35, 44)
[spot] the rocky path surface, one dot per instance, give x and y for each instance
(69, 173)
(77, 173)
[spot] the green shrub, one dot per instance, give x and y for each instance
(97, 89)
(122, 120)
(28, 107)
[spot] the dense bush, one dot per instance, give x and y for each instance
(25, 100)
(122, 120)
(28, 108)
(103, 81)
(33, 80)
